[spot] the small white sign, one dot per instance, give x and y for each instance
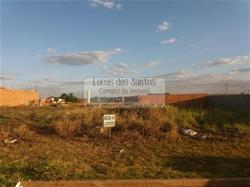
(109, 120)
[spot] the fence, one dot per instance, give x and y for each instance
(241, 101)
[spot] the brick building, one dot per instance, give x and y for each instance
(13, 97)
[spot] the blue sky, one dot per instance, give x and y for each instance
(48, 43)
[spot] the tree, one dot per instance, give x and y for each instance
(72, 98)
(69, 97)
(64, 96)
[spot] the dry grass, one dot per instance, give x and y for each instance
(69, 143)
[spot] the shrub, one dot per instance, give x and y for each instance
(66, 127)
(22, 132)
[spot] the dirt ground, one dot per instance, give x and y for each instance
(68, 143)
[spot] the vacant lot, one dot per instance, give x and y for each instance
(62, 143)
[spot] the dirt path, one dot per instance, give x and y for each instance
(234, 182)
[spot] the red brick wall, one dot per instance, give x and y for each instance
(174, 99)
(152, 99)
(186, 99)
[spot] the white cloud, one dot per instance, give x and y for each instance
(170, 41)
(52, 81)
(116, 51)
(123, 69)
(194, 46)
(120, 69)
(186, 77)
(179, 75)
(185, 82)
(51, 50)
(241, 70)
(150, 64)
(6, 77)
(121, 65)
(118, 6)
(228, 61)
(163, 26)
(47, 81)
(82, 57)
(210, 78)
(110, 4)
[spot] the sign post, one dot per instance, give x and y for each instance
(109, 122)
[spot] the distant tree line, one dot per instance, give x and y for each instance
(69, 98)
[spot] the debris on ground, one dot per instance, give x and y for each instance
(10, 141)
(193, 133)
(189, 132)
(101, 130)
(121, 151)
(203, 137)
(18, 184)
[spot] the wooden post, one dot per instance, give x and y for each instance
(110, 135)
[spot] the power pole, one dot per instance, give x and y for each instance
(226, 86)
